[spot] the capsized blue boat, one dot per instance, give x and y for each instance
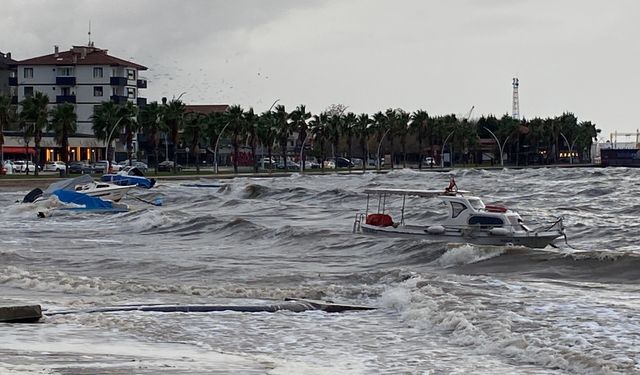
(129, 176)
(88, 203)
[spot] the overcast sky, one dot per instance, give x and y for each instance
(441, 56)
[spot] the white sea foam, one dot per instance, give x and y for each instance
(467, 254)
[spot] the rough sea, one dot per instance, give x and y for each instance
(441, 309)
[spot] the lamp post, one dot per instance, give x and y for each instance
(570, 147)
(108, 143)
(500, 147)
(215, 150)
(379, 145)
(274, 103)
(302, 152)
(443, 145)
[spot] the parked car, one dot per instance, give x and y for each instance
(342, 163)
(264, 162)
(429, 161)
(24, 166)
(291, 165)
(78, 167)
(134, 163)
(167, 166)
(373, 163)
(54, 166)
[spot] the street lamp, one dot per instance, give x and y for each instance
(500, 147)
(570, 147)
(302, 151)
(442, 151)
(380, 144)
(108, 143)
(215, 150)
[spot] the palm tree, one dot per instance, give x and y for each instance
(36, 116)
(318, 127)
(127, 113)
(173, 117)
(299, 118)
(214, 123)
(349, 121)
(7, 113)
(402, 129)
(391, 121)
(106, 122)
(420, 126)
(251, 129)
(150, 122)
(63, 124)
(266, 130)
(362, 131)
(235, 119)
(193, 128)
(284, 130)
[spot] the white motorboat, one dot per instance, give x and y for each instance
(104, 190)
(468, 220)
(82, 184)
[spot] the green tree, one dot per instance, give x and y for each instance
(235, 118)
(284, 129)
(267, 133)
(106, 122)
(63, 124)
(251, 129)
(7, 116)
(149, 119)
(349, 121)
(173, 117)
(194, 124)
(362, 130)
(128, 121)
(318, 127)
(299, 118)
(420, 128)
(36, 118)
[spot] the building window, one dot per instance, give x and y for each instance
(97, 91)
(65, 72)
(131, 74)
(28, 91)
(97, 73)
(131, 92)
(28, 73)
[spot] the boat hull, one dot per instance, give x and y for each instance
(115, 193)
(477, 237)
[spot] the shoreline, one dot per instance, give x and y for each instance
(9, 184)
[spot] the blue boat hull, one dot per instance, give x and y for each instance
(124, 180)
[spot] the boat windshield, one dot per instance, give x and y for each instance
(476, 203)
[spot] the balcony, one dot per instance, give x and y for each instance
(119, 99)
(66, 81)
(118, 81)
(65, 99)
(14, 100)
(141, 102)
(13, 81)
(142, 83)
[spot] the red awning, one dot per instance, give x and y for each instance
(18, 150)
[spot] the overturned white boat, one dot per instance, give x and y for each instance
(468, 220)
(83, 184)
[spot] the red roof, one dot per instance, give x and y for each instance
(205, 109)
(92, 56)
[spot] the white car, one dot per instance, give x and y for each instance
(24, 166)
(54, 166)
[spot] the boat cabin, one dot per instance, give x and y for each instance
(462, 210)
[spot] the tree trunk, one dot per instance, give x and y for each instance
(269, 151)
(420, 154)
(235, 154)
(253, 155)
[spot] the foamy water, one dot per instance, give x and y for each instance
(441, 309)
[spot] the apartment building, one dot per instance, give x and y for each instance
(85, 76)
(7, 72)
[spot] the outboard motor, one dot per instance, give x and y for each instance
(32, 196)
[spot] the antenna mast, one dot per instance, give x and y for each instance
(90, 42)
(516, 101)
